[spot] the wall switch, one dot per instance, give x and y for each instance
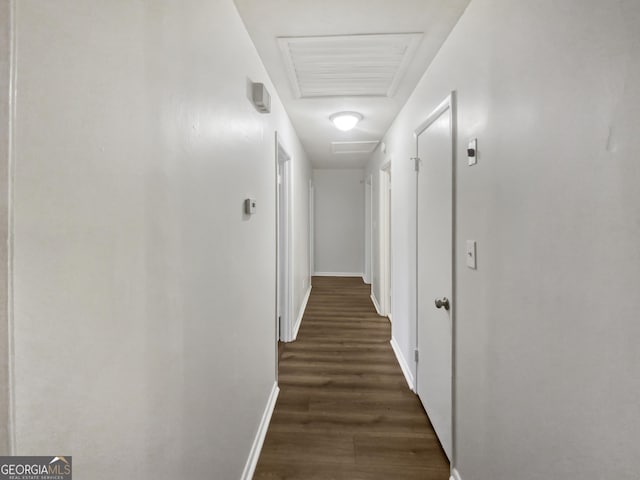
(250, 206)
(472, 152)
(471, 254)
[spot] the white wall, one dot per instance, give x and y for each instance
(144, 297)
(547, 327)
(339, 221)
(5, 55)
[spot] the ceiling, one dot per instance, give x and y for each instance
(327, 56)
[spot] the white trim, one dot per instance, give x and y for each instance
(312, 222)
(303, 307)
(284, 266)
(368, 237)
(384, 239)
(258, 441)
(455, 475)
(283, 45)
(338, 274)
(446, 104)
(449, 103)
(403, 364)
(376, 304)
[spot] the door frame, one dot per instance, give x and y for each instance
(449, 103)
(385, 240)
(312, 233)
(284, 275)
(368, 229)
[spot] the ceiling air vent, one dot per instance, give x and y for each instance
(348, 65)
(354, 147)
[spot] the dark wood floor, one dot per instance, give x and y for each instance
(345, 411)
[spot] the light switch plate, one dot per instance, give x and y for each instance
(473, 146)
(471, 254)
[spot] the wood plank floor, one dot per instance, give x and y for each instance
(345, 411)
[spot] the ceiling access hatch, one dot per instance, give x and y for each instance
(348, 65)
(354, 147)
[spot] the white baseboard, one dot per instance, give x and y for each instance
(338, 274)
(303, 307)
(403, 365)
(455, 475)
(256, 448)
(376, 304)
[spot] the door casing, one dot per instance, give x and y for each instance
(385, 240)
(448, 104)
(284, 263)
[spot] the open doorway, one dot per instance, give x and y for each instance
(284, 324)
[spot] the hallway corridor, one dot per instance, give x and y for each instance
(345, 411)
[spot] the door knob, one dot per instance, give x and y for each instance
(442, 302)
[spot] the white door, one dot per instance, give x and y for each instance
(434, 270)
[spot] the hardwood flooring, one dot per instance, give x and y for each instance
(345, 411)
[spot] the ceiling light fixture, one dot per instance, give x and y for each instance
(345, 121)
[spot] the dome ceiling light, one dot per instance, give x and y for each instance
(345, 121)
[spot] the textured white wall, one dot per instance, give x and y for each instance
(5, 55)
(547, 327)
(339, 221)
(144, 297)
